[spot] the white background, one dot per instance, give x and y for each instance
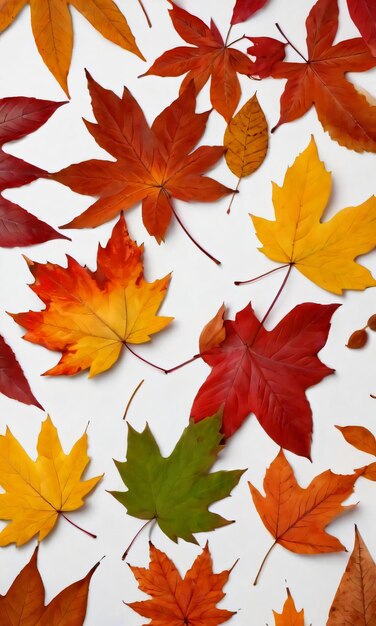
(197, 289)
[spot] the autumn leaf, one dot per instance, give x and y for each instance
(267, 52)
(177, 490)
(13, 382)
(20, 117)
(214, 331)
(207, 56)
(52, 27)
(355, 600)
(23, 604)
(267, 373)
(38, 492)
(153, 164)
(179, 601)
(289, 615)
(363, 14)
(91, 316)
(324, 252)
(246, 140)
(362, 439)
(359, 338)
(297, 517)
(243, 9)
(320, 80)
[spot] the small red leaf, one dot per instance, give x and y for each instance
(243, 9)
(13, 382)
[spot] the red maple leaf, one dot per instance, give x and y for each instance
(19, 117)
(207, 56)
(268, 373)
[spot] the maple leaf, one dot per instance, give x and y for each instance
(267, 52)
(320, 81)
(38, 492)
(176, 490)
(153, 164)
(13, 382)
(363, 14)
(289, 616)
(179, 601)
(355, 600)
(23, 604)
(324, 252)
(243, 9)
(297, 517)
(19, 117)
(267, 373)
(207, 56)
(91, 316)
(52, 27)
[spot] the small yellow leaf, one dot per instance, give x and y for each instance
(246, 139)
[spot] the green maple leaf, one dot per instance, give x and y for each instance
(177, 490)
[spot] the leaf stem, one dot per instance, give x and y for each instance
(145, 13)
(233, 195)
(193, 240)
(236, 41)
(252, 280)
(131, 398)
(291, 44)
(136, 536)
(76, 526)
(228, 35)
(291, 265)
(263, 563)
(157, 367)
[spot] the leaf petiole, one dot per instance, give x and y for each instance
(291, 44)
(153, 519)
(78, 527)
(263, 563)
(192, 239)
(132, 398)
(252, 280)
(145, 13)
(157, 367)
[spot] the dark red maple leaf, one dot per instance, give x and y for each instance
(363, 14)
(21, 116)
(207, 56)
(243, 9)
(268, 373)
(13, 382)
(268, 52)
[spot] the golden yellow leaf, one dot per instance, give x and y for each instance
(91, 316)
(37, 492)
(324, 252)
(289, 615)
(246, 139)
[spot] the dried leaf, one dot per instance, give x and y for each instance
(206, 56)
(359, 437)
(297, 517)
(268, 52)
(20, 117)
(38, 492)
(91, 316)
(289, 615)
(355, 600)
(357, 339)
(246, 139)
(324, 252)
(320, 81)
(267, 373)
(179, 601)
(13, 382)
(53, 30)
(23, 604)
(214, 332)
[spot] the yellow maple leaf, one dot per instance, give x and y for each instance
(324, 252)
(37, 492)
(90, 316)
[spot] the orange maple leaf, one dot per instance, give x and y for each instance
(289, 616)
(320, 81)
(297, 517)
(207, 56)
(177, 601)
(52, 26)
(153, 164)
(90, 316)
